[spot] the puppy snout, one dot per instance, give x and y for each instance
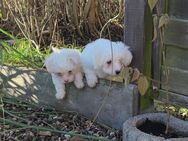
(117, 72)
(66, 81)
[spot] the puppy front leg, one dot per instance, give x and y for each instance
(59, 86)
(78, 81)
(91, 78)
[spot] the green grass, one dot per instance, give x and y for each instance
(24, 53)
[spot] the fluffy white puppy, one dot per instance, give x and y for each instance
(102, 58)
(65, 67)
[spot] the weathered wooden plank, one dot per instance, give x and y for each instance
(177, 57)
(156, 57)
(178, 8)
(176, 40)
(178, 80)
(134, 30)
(174, 98)
(176, 33)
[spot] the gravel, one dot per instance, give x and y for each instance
(27, 121)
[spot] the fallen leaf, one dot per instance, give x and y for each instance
(119, 78)
(45, 133)
(164, 20)
(136, 75)
(143, 85)
(155, 22)
(115, 78)
(152, 4)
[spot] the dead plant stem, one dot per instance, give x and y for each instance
(166, 71)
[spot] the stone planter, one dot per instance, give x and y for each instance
(132, 133)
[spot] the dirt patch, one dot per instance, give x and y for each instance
(28, 121)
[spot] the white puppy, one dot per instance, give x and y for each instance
(102, 58)
(65, 66)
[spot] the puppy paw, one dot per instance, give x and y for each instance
(60, 95)
(92, 83)
(79, 85)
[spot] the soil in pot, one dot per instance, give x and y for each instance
(158, 129)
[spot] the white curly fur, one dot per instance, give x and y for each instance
(102, 58)
(65, 67)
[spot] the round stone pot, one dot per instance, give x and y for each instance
(148, 127)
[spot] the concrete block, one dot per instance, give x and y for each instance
(116, 101)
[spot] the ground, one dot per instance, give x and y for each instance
(27, 122)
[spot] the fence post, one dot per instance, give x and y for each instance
(134, 32)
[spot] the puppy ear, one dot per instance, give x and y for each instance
(72, 61)
(124, 52)
(76, 63)
(98, 61)
(49, 63)
(55, 49)
(126, 57)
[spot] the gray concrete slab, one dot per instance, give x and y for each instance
(118, 104)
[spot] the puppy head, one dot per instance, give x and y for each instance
(112, 63)
(64, 64)
(123, 53)
(67, 70)
(112, 66)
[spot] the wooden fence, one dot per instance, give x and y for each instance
(175, 41)
(176, 50)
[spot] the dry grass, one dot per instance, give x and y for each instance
(68, 21)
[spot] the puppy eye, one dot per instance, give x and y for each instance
(109, 62)
(59, 74)
(70, 72)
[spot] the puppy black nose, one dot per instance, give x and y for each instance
(117, 72)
